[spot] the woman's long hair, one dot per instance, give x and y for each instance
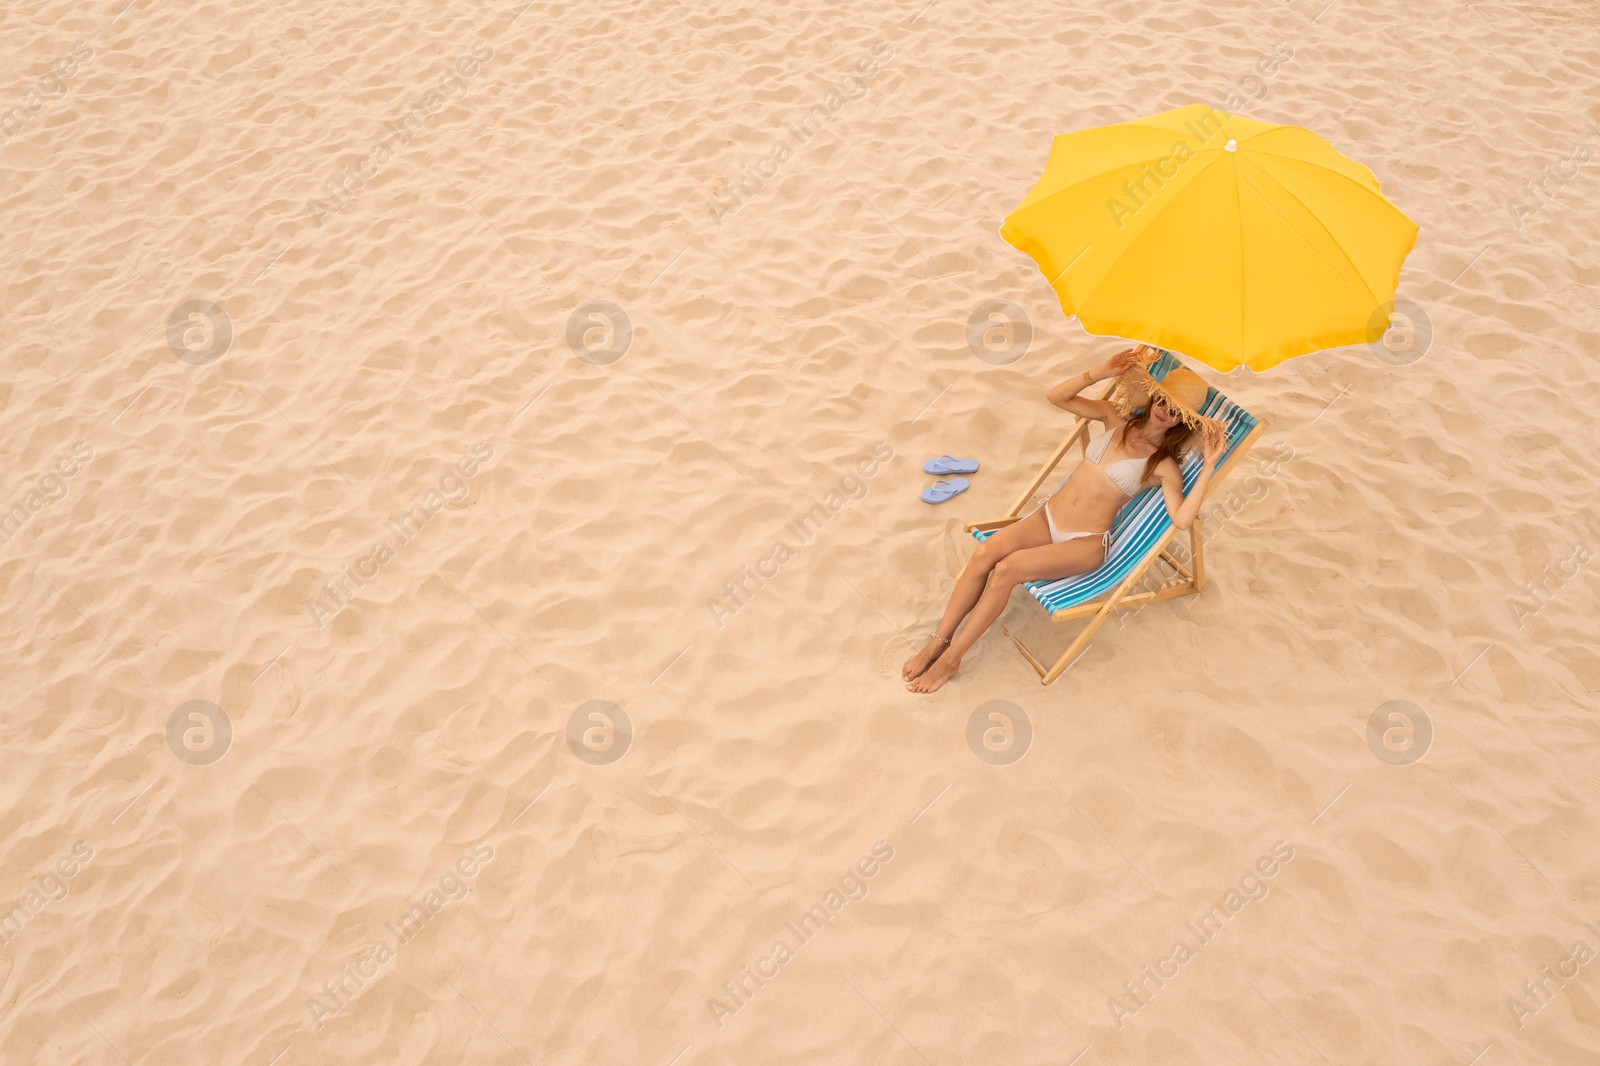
(1177, 440)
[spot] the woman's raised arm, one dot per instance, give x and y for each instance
(1065, 395)
(1180, 508)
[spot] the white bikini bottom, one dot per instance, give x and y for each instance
(1056, 536)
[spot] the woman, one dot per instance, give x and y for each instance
(1070, 532)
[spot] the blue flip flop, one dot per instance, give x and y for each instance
(946, 464)
(941, 491)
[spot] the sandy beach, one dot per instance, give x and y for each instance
(461, 532)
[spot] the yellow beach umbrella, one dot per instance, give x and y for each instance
(1233, 241)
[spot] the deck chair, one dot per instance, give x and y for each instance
(1140, 535)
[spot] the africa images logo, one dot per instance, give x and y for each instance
(851, 887)
(452, 886)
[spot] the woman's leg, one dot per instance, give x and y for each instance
(1029, 532)
(1027, 564)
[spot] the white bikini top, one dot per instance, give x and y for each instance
(1125, 474)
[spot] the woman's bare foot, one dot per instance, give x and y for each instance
(933, 678)
(919, 662)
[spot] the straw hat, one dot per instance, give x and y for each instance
(1182, 390)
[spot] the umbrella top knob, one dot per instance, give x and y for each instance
(1231, 146)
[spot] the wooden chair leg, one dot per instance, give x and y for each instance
(1197, 557)
(1173, 562)
(1095, 622)
(1038, 667)
(1099, 617)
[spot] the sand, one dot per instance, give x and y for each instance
(395, 537)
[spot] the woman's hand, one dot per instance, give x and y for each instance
(1183, 507)
(1123, 361)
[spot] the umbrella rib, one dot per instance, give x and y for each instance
(1141, 125)
(1301, 234)
(1074, 263)
(1068, 188)
(1171, 205)
(1368, 189)
(1065, 188)
(1328, 233)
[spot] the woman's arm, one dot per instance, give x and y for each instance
(1180, 508)
(1065, 395)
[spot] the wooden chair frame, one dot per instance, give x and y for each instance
(1121, 598)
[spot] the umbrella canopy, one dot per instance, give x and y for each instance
(1233, 241)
